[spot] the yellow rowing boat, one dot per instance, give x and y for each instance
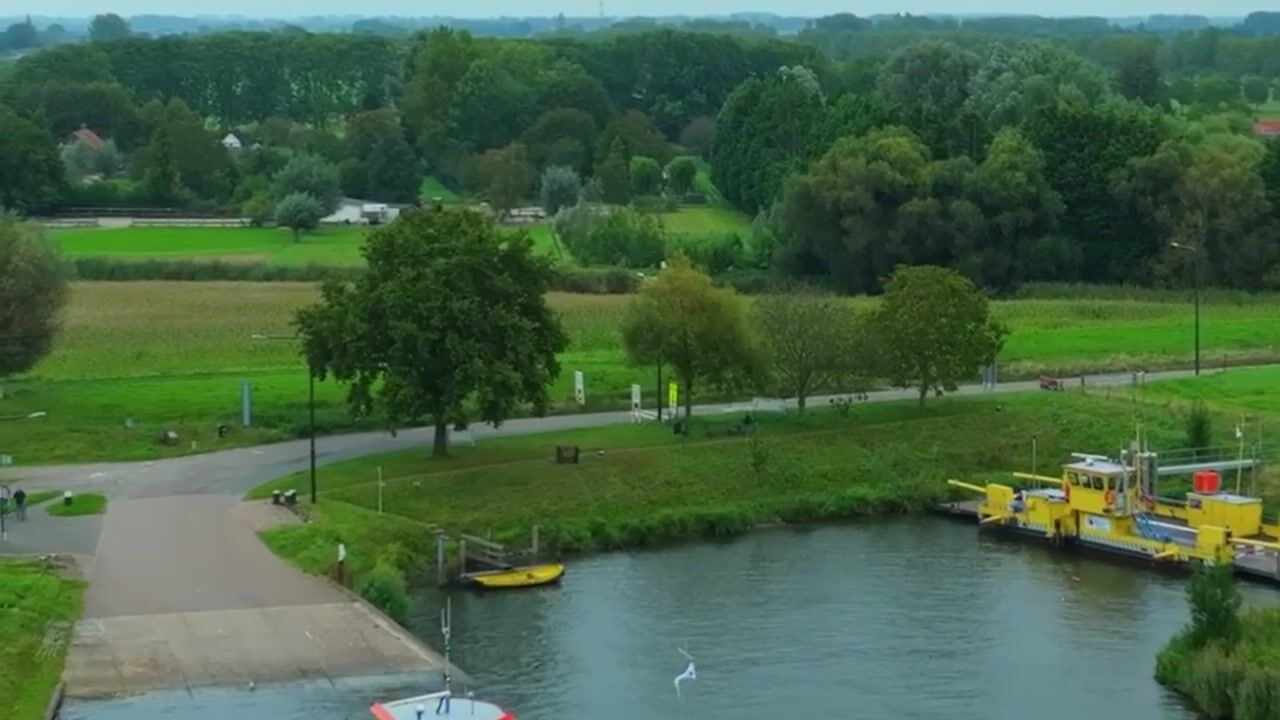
(520, 577)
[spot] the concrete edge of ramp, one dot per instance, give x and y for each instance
(325, 642)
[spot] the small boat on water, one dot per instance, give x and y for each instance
(518, 577)
(440, 704)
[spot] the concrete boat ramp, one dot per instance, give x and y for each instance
(184, 597)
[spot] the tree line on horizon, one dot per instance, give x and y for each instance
(1008, 157)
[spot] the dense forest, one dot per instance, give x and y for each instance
(1011, 149)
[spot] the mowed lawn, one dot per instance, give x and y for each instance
(1249, 390)
(37, 609)
(173, 355)
(706, 221)
(332, 246)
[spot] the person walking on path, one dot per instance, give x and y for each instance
(20, 505)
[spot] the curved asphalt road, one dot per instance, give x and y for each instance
(234, 472)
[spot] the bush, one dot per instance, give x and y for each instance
(99, 268)
(1212, 677)
(620, 237)
(680, 175)
(715, 255)
(1199, 426)
(385, 588)
(1257, 697)
(596, 281)
(646, 176)
(1215, 605)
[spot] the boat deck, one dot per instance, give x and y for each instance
(422, 708)
(1258, 565)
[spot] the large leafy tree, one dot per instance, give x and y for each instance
(503, 176)
(448, 324)
(33, 291)
(933, 330)
(812, 341)
(1083, 148)
(108, 27)
(683, 320)
(299, 212)
(1015, 80)
(931, 81)
(310, 175)
(766, 130)
(1138, 76)
(30, 167)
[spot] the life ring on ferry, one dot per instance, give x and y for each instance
(1110, 497)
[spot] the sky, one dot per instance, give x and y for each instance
(493, 8)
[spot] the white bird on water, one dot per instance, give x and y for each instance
(690, 673)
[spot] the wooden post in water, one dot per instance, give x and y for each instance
(535, 542)
(462, 558)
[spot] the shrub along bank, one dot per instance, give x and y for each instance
(638, 485)
(1225, 661)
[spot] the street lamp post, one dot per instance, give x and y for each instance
(1195, 290)
(311, 407)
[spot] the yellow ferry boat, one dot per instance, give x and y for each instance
(1113, 506)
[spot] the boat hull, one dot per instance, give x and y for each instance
(521, 577)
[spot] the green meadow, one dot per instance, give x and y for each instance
(173, 355)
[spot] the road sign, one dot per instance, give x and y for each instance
(635, 403)
(579, 387)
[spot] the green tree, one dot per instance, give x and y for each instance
(1138, 76)
(450, 319)
(683, 320)
(30, 170)
(559, 188)
(82, 160)
(931, 81)
(1215, 605)
(299, 212)
(621, 237)
(680, 175)
(615, 175)
(933, 330)
(1255, 89)
(812, 341)
(311, 175)
(394, 174)
(698, 135)
(767, 130)
(503, 176)
(161, 177)
(1217, 92)
(1015, 80)
(646, 176)
(637, 135)
(108, 27)
(33, 291)
(20, 36)
(562, 136)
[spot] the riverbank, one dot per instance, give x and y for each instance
(38, 606)
(1227, 664)
(639, 485)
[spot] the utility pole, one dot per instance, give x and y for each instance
(1195, 290)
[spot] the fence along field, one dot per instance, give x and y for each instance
(173, 355)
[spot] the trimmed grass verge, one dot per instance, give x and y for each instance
(83, 504)
(37, 610)
(638, 485)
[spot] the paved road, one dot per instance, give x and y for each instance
(234, 472)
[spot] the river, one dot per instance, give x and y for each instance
(896, 618)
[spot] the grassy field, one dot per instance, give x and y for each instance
(706, 221)
(1251, 391)
(37, 609)
(1270, 110)
(638, 484)
(334, 246)
(173, 355)
(83, 504)
(433, 190)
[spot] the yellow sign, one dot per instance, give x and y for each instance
(673, 395)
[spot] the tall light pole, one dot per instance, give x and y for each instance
(311, 406)
(1195, 289)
